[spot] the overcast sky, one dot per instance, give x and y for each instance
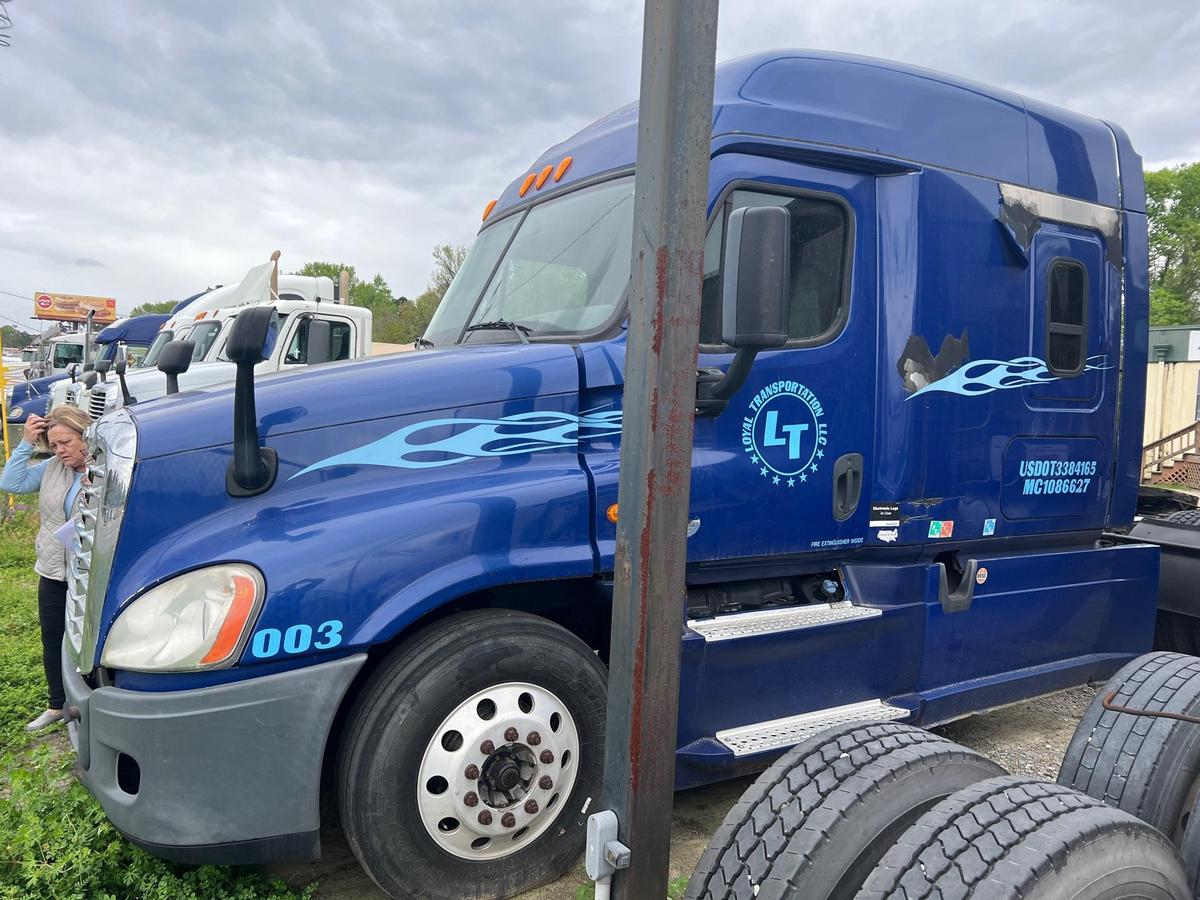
(152, 148)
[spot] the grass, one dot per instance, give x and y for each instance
(674, 890)
(55, 841)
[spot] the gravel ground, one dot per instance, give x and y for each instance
(1027, 738)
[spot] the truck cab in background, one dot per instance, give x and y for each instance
(125, 338)
(901, 511)
(349, 337)
(205, 322)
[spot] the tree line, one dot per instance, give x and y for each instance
(1173, 210)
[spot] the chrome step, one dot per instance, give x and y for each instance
(779, 734)
(770, 621)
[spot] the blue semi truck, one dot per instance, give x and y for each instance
(397, 596)
(32, 397)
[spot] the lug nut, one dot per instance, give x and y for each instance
(545, 782)
(485, 818)
(508, 820)
(511, 734)
(472, 772)
(534, 739)
(471, 799)
(487, 748)
(546, 757)
(531, 806)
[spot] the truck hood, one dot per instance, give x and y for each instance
(146, 384)
(23, 390)
(345, 393)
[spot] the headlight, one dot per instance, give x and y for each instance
(198, 620)
(15, 412)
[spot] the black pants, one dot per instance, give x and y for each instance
(52, 613)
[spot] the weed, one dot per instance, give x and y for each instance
(55, 841)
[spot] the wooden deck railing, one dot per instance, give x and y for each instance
(1173, 446)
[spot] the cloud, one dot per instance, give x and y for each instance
(182, 143)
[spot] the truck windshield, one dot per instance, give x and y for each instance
(562, 273)
(160, 340)
(65, 354)
(203, 336)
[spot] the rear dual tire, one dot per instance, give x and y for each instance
(817, 821)
(1015, 838)
(1147, 766)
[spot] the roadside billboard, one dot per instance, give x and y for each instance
(74, 307)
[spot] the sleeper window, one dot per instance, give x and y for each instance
(1066, 318)
(819, 236)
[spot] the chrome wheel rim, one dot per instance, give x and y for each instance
(497, 770)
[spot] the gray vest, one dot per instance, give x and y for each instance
(51, 555)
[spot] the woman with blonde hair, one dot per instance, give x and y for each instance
(58, 480)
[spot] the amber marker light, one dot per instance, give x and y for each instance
(562, 168)
(487, 210)
(612, 514)
(526, 185)
(245, 592)
(542, 176)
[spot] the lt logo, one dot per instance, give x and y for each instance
(784, 433)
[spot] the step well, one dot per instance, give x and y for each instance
(772, 621)
(780, 734)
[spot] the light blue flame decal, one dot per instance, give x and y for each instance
(528, 432)
(986, 375)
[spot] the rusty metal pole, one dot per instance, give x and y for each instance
(674, 146)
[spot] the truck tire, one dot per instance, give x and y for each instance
(1189, 848)
(1017, 838)
(1148, 767)
(816, 822)
(1190, 517)
(472, 756)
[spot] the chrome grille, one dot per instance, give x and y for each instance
(112, 444)
(96, 400)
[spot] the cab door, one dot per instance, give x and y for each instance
(783, 469)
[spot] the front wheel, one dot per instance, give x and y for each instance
(472, 756)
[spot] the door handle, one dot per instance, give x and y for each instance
(847, 485)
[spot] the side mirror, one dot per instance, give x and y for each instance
(174, 361)
(253, 336)
(90, 379)
(252, 469)
(754, 306)
(119, 367)
(102, 366)
(87, 367)
(757, 269)
(319, 340)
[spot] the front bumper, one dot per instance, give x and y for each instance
(227, 774)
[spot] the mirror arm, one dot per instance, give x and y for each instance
(253, 468)
(126, 400)
(714, 387)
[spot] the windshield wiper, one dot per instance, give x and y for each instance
(515, 327)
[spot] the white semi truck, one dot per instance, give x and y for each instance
(299, 301)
